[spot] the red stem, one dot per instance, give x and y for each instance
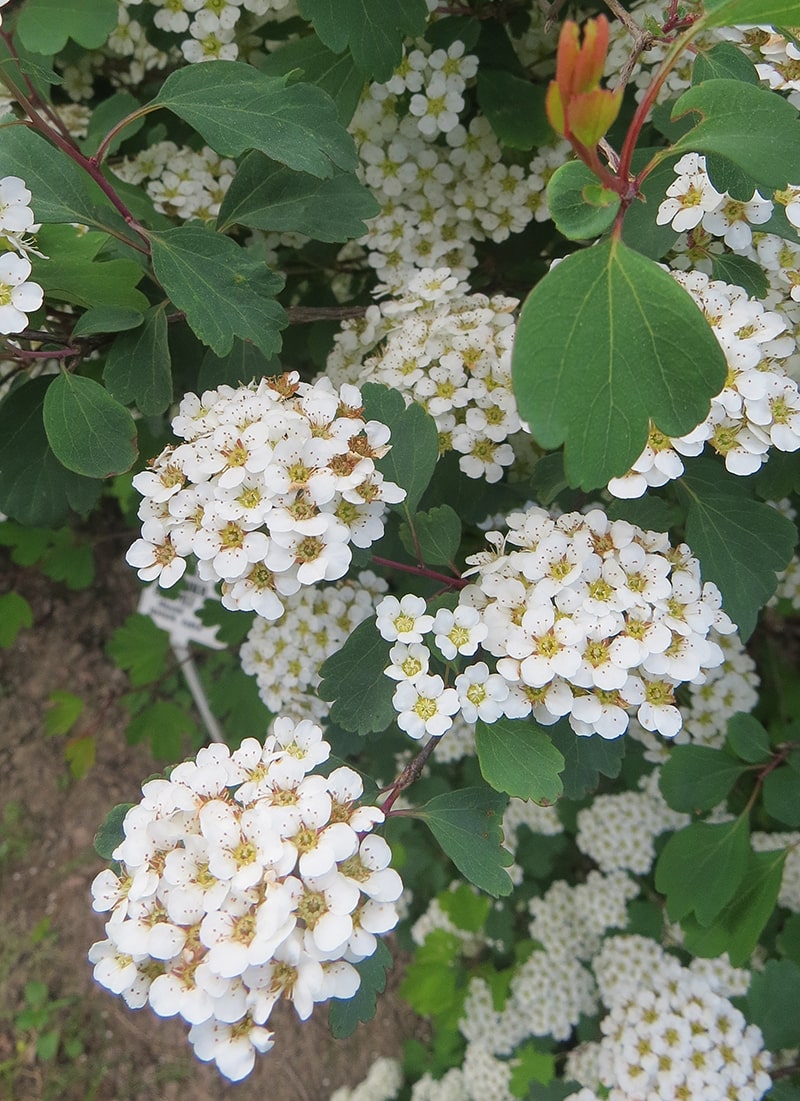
(422, 571)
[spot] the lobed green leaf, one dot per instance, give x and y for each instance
(772, 1003)
(697, 777)
(354, 680)
(372, 30)
(438, 535)
(223, 290)
(44, 26)
(585, 759)
(415, 442)
(235, 108)
(517, 756)
(468, 825)
(702, 866)
(138, 368)
(345, 1015)
(514, 108)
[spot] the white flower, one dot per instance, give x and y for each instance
(18, 298)
(403, 620)
(458, 632)
(15, 214)
(425, 706)
(481, 694)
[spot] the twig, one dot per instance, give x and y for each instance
(304, 315)
(642, 39)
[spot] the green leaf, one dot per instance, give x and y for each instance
(740, 271)
(468, 825)
(223, 290)
(166, 725)
(106, 319)
(514, 108)
(438, 533)
(730, 13)
(737, 928)
(353, 678)
(140, 648)
(64, 710)
(243, 363)
(80, 754)
(45, 25)
(721, 61)
(335, 74)
(34, 487)
(372, 30)
(779, 476)
(585, 759)
(782, 791)
(266, 195)
(783, 1091)
(741, 543)
(72, 273)
(15, 614)
(111, 833)
(701, 867)
(430, 984)
(748, 739)
(697, 777)
(106, 116)
(47, 1045)
(61, 192)
(772, 1003)
(606, 342)
(138, 368)
(89, 432)
(453, 28)
(235, 107)
(465, 908)
(740, 122)
(788, 941)
(415, 442)
(531, 1065)
(344, 1015)
(579, 205)
(517, 756)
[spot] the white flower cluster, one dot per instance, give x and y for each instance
(182, 182)
(245, 879)
(592, 619)
(449, 351)
(18, 297)
(273, 483)
(693, 200)
(758, 408)
(442, 185)
(671, 1032)
(571, 920)
(619, 831)
(383, 1083)
(776, 57)
(285, 655)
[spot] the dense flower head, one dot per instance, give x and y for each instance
(594, 619)
(449, 351)
(244, 878)
(273, 482)
(671, 1031)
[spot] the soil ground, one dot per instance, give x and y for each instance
(47, 862)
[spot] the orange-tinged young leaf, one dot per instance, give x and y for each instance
(592, 56)
(590, 115)
(568, 47)
(554, 108)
